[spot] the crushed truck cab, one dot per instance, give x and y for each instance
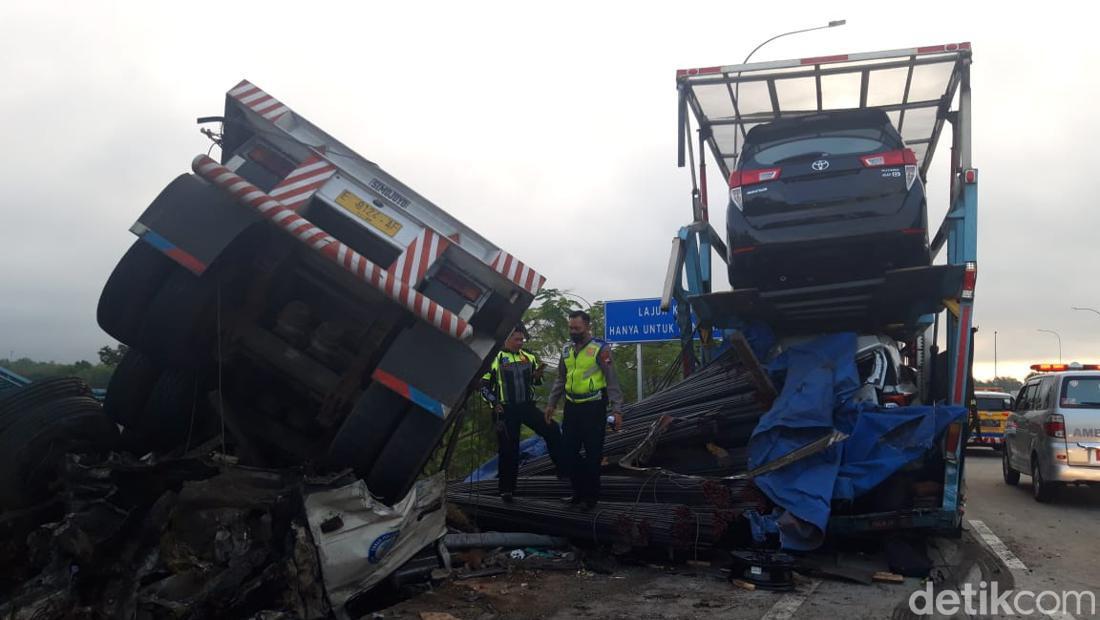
(327, 311)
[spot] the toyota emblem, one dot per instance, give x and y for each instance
(819, 165)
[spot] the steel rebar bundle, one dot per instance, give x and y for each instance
(719, 404)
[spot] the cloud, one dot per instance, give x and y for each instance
(548, 129)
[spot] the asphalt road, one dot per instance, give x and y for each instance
(1059, 543)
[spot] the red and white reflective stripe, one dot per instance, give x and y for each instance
(303, 182)
(514, 269)
(962, 354)
(255, 99)
(414, 262)
(823, 60)
(247, 193)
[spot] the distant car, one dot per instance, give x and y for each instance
(1054, 433)
(994, 409)
(823, 197)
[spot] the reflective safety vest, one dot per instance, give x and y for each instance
(584, 380)
(511, 377)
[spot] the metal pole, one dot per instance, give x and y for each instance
(995, 375)
(737, 86)
(640, 391)
(1048, 331)
(1092, 310)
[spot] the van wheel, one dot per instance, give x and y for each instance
(1041, 490)
(1011, 476)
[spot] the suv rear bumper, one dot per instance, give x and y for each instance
(1073, 473)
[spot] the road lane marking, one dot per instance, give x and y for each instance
(996, 545)
(785, 608)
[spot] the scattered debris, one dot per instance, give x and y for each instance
(882, 577)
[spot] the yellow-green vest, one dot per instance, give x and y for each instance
(584, 380)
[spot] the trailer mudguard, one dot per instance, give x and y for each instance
(193, 222)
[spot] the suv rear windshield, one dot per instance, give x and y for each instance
(1081, 392)
(990, 403)
(849, 141)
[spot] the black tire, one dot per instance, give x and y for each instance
(32, 449)
(175, 410)
(366, 429)
(405, 454)
(1041, 490)
(132, 285)
(1011, 476)
(36, 394)
(131, 384)
(180, 327)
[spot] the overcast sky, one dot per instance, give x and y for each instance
(550, 131)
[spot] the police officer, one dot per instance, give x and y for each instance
(586, 377)
(508, 388)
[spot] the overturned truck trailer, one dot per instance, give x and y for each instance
(297, 299)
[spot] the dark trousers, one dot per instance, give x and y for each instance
(508, 428)
(584, 426)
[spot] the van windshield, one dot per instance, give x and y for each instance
(1081, 392)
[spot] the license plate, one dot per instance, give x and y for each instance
(368, 213)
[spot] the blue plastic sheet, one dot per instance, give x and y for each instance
(820, 377)
(529, 448)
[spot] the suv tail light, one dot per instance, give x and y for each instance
(890, 158)
(1055, 426)
(902, 157)
(740, 178)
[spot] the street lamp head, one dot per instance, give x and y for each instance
(837, 22)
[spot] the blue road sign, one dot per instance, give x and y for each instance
(639, 320)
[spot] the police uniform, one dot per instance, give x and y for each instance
(586, 379)
(509, 383)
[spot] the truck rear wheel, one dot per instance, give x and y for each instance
(129, 389)
(180, 327)
(132, 285)
(39, 393)
(175, 412)
(32, 449)
(405, 454)
(366, 429)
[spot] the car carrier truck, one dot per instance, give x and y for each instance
(925, 92)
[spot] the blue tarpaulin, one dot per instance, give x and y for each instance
(529, 448)
(820, 377)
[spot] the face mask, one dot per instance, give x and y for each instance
(576, 338)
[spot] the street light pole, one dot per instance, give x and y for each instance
(1050, 331)
(1093, 310)
(995, 375)
(737, 86)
